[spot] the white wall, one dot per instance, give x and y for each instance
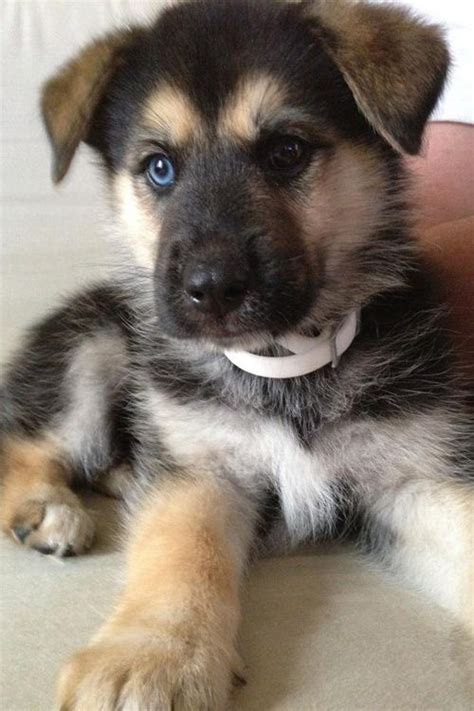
(51, 238)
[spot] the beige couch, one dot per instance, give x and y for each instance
(322, 630)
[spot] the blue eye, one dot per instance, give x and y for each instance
(160, 171)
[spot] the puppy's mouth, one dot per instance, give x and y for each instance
(255, 326)
(224, 324)
(233, 301)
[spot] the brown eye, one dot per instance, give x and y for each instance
(286, 156)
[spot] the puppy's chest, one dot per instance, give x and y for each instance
(250, 447)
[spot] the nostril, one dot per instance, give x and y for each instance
(234, 293)
(196, 295)
(215, 287)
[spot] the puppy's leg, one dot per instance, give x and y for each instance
(37, 506)
(431, 541)
(171, 642)
(60, 415)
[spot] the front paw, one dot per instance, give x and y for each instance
(134, 670)
(54, 523)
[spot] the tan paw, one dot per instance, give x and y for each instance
(53, 523)
(142, 671)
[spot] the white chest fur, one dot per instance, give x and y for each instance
(254, 450)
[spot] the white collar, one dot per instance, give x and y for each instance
(310, 354)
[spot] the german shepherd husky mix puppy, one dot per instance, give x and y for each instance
(272, 357)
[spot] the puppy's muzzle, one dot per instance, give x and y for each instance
(217, 284)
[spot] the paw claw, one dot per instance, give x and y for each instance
(21, 533)
(144, 676)
(59, 526)
(44, 549)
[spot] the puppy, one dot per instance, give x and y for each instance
(254, 154)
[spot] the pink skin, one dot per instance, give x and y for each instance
(444, 174)
(444, 194)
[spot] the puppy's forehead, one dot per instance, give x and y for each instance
(220, 58)
(257, 99)
(170, 114)
(224, 69)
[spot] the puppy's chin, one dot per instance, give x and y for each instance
(232, 332)
(254, 325)
(222, 337)
(252, 341)
(219, 337)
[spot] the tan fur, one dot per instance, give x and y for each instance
(257, 98)
(336, 218)
(389, 62)
(434, 525)
(171, 639)
(170, 113)
(37, 504)
(338, 209)
(138, 225)
(116, 482)
(70, 98)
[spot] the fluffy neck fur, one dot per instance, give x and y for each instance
(400, 359)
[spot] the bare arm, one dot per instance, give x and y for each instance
(444, 193)
(444, 175)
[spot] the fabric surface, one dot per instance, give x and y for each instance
(322, 630)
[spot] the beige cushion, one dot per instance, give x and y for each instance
(321, 631)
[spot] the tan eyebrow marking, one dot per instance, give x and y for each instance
(257, 99)
(169, 111)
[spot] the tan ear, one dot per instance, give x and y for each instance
(394, 64)
(70, 98)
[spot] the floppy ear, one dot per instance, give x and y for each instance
(394, 64)
(71, 97)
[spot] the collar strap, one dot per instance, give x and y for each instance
(309, 354)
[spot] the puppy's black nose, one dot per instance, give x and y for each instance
(215, 288)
